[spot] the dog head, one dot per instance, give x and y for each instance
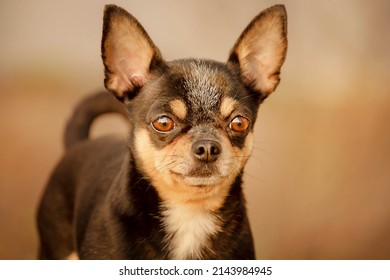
(192, 120)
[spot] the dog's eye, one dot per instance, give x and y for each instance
(163, 124)
(239, 124)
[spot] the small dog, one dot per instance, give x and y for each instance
(173, 190)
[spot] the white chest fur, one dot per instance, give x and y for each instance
(189, 229)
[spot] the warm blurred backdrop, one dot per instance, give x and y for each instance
(318, 183)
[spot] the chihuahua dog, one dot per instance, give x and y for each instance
(174, 189)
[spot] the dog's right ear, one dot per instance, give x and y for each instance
(128, 53)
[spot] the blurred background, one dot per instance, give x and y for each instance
(318, 183)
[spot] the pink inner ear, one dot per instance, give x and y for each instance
(129, 66)
(122, 83)
(262, 48)
(127, 52)
(261, 64)
(261, 73)
(138, 80)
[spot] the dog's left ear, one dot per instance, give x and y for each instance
(128, 53)
(261, 50)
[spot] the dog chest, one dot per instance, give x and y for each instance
(188, 230)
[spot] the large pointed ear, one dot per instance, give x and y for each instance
(261, 50)
(127, 51)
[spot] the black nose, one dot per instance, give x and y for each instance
(206, 150)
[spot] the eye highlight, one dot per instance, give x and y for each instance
(239, 124)
(163, 124)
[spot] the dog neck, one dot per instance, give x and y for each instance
(188, 225)
(189, 217)
(189, 230)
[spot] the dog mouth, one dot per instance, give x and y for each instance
(199, 180)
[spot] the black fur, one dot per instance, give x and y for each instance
(118, 215)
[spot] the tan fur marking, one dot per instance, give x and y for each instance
(159, 164)
(178, 108)
(189, 210)
(246, 151)
(227, 106)
(168, 168)
(72, 256)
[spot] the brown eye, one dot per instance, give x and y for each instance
(163, 124)
(239, 124)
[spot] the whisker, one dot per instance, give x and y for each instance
(155, 173)
(264, 151)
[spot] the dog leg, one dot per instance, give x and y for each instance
(55, 224)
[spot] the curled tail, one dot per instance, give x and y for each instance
(78, 126)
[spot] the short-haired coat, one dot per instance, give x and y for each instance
(174, 189)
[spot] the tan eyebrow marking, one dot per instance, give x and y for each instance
(178, 108)
(227, 106)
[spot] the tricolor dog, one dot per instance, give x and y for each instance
(173, 190)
